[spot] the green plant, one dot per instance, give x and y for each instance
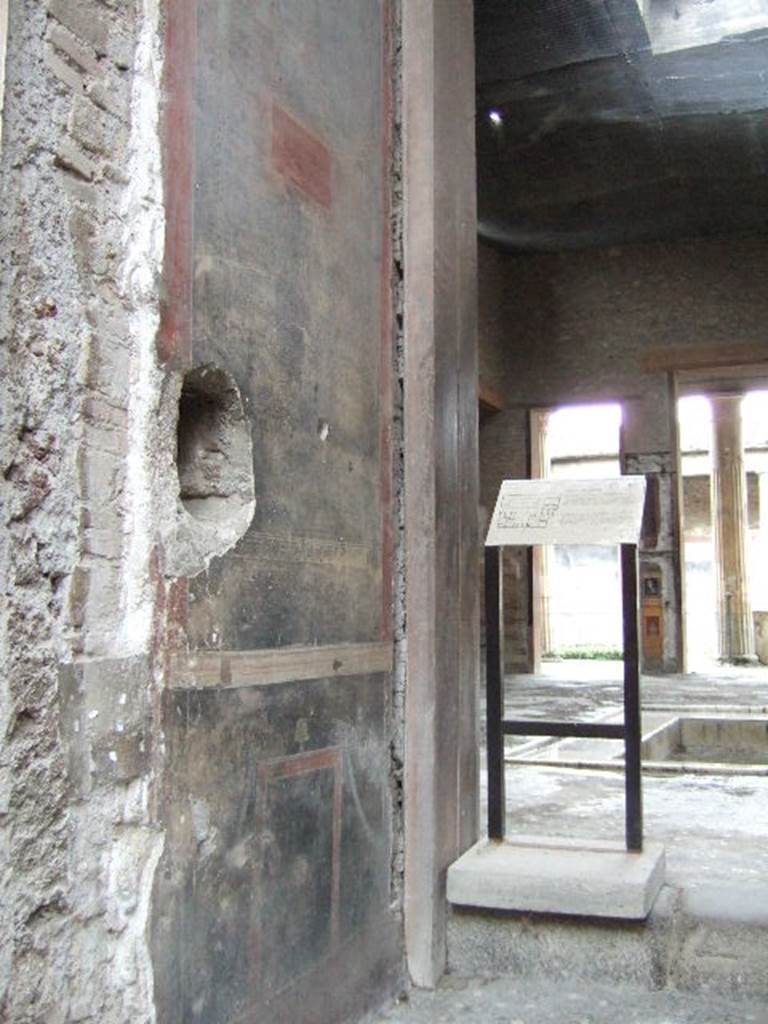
(590, 653)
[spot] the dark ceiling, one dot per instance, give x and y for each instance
(621, 120)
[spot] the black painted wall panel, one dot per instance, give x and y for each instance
(277, 855)
(287, 297)
(272, 898)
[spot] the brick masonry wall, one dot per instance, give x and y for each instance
(80, 216)
(496, 317)
(697, 504)
(503, 444)
(580, 323)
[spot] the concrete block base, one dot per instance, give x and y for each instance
(534, 874)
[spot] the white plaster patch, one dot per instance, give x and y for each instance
(201, 819)
(135, 851)
(132, 866)
(143, 215)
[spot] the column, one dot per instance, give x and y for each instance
(762, 543)
(760, 596)
(729, 523)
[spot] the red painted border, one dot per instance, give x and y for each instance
(386, 369)
(174, 341)
(327, 759)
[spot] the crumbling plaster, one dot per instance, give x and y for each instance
(82, 236)
(399, 579)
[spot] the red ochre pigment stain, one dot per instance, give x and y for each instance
(300, 157)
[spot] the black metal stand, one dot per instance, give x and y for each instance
(498, 726)
(494, 689)
(632, 727)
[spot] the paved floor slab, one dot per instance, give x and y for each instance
(708, 930)
(514, 1001)
(558, 876)
(714, 827)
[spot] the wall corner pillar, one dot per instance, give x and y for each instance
(441, 466)
(649, 447)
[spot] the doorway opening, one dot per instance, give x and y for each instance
(577, 588)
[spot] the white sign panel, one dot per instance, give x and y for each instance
(608, 511)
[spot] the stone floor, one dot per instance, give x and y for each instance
(714, 827)
(516, 1001)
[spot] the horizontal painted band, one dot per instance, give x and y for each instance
(229, 669)
(703, 357)
(582, 730)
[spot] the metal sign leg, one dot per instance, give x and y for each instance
(494, 684)
(632, 725)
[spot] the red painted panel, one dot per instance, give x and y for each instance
(174, 336)
(386, 369)
(300, 157)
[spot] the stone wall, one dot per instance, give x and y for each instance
(496, 317)
(82, 208)
(503, 444)
(504, 456)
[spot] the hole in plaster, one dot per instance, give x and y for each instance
(213, 447)
(209, 502)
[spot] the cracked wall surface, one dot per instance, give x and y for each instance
(399, 620)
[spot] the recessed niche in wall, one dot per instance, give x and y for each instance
(214, 458)
(214, 464)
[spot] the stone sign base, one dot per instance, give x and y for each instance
(536, 874)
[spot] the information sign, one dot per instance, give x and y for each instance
(600, 511)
